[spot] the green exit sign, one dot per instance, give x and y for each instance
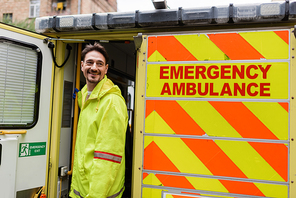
(32, 149)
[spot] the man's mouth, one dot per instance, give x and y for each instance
(94, 74)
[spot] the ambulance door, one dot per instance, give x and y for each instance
(25, 100)
(212, 115)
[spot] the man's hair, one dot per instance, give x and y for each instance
(95, 47)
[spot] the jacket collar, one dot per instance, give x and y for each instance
(102, 88)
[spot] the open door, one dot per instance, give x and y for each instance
(25, 101)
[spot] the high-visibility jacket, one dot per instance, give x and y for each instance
(99, 162)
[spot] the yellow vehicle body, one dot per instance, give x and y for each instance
(213, 109)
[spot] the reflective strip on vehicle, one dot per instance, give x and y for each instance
(107, 156)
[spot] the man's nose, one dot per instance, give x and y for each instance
(94, 66)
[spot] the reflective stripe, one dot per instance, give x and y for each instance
(107, 156)
(77, 193)
(112, 196)
(115, 195)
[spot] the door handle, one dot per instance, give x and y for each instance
(13, 132)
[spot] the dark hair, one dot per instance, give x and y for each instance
(95, 47)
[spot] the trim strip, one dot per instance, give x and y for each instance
(112, 196)
(107, 156)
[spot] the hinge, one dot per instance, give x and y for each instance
(138, 41)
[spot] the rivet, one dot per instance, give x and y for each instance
(293, 56)
(292, 139)
(292, 48)
(292, 182)
(139, 168)
(292, 97)
(141, 132)
(144, 37)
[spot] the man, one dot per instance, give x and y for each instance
(99, 161)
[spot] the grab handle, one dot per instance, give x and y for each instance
(13, 132)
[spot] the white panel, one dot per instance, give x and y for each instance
(8, 166)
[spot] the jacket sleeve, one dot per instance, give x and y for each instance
(109, 148)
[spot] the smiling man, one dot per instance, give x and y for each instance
(99, 161)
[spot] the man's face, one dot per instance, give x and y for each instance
(94, 67)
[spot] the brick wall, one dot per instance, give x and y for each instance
(20, 8)
(97, 6)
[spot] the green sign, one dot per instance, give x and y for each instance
(32, 149)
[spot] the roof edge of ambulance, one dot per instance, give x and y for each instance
(241, 15)
(21, 30)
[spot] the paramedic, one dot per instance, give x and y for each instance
(99, 159)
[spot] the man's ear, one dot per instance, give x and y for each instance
(107, 66)
(81, 65)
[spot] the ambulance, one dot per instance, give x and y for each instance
(210, 93)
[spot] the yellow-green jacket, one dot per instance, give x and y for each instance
(99, 162)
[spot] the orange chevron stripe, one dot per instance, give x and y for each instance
(152, 45)
(167, 46)
(150, 106)
(214, 158)
(145, 175)
(235, 46)
(284, 35)
(285, 105)
(249, 126)
(243, 120)
(275, 154)
(220, 165)
(155, 159)
(173, 114)
(238, 187)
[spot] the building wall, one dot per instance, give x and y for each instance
(20, 8)
(96, 6)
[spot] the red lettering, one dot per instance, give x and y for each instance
(226, 90)
(190, 89)
(263, 88)
(206, 89)
(236, 71)
(177, 74)
(215, 74)
(212, 93)
(255, 93)
(188, 71)
(248, 72)
(178, 89)
(166, 89)
(264, 71)
(242, 90)
(225, 69)
(162, 72)
(200, 70)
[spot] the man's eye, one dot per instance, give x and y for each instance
(89, 63)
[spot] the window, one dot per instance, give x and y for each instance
(20, 66)
(34, 8)
(7, 16)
